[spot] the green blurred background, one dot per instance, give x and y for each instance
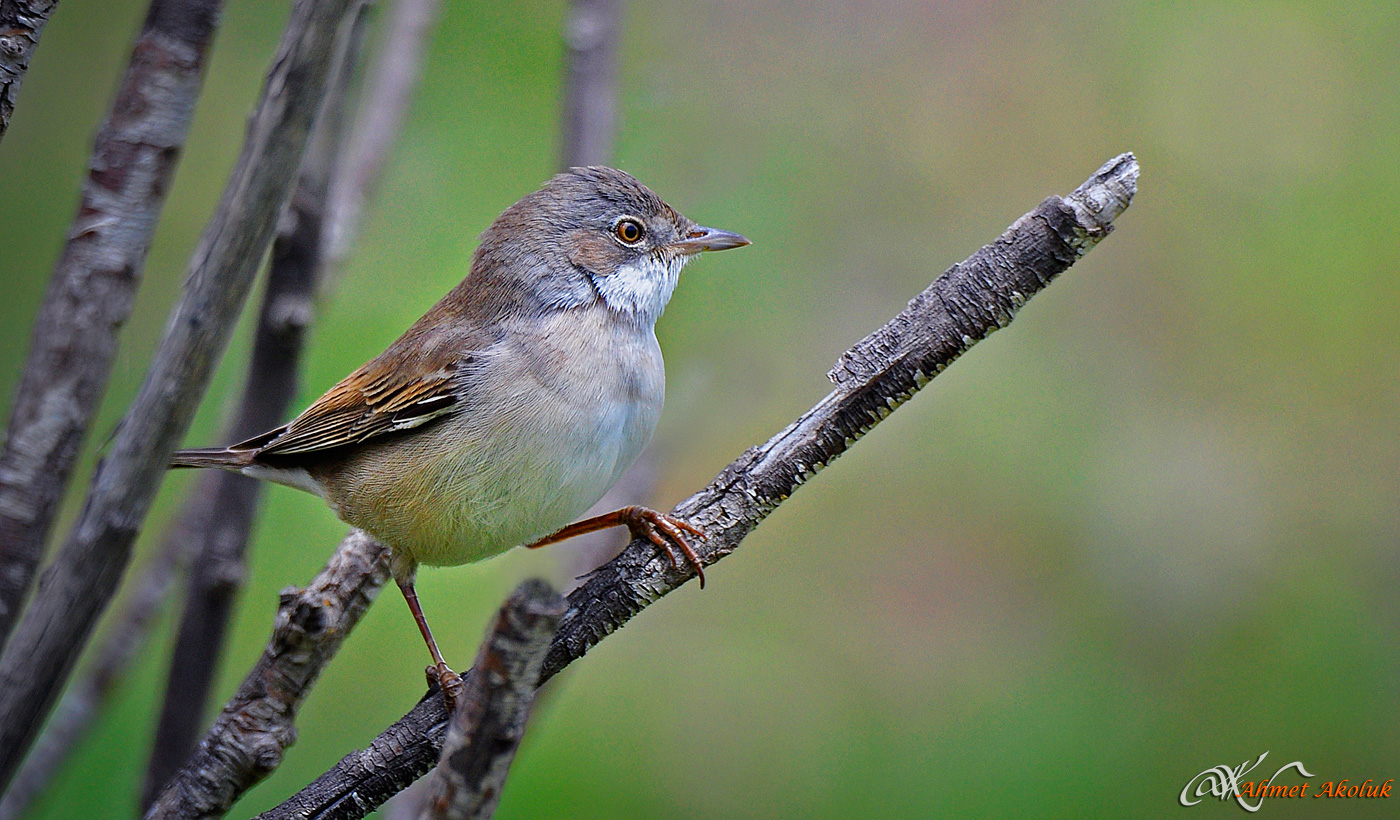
(1149, 529)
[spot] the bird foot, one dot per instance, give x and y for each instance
(668, 534)
(449, 682)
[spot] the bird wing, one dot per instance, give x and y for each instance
(384, 396)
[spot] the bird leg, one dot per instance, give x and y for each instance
(665, 531)
(450, 681)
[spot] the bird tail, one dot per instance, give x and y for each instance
(223, 457)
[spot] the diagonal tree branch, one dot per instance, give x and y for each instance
(94, 283)
(84, 575)
(21, 23)
(219, 548)
(248, 738)
(966, 304)
(488, 724)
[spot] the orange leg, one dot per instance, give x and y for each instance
(665, 531)
(450, 681)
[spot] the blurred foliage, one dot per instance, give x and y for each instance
(1148, 530)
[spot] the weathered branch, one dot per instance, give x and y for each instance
(379, 118)
(487, 725)
(258, 724)
(21, 23)
(94, 283)
(591, 36)
(219, 548)
(83, 577)
(964, 305)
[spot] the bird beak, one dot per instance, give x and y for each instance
(699, 239)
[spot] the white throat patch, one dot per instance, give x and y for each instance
(642, 288)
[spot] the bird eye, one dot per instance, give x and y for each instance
(629, 231)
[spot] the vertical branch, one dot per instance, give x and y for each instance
(84, 575)
(220, 546)
(591, 35)
(21, 23)
(236, 753)
(94, 283)
(487, 725)
(379, 119)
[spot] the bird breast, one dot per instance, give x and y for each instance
(553, 414)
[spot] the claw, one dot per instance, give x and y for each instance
(653, 525)
(451, 684)
(666, 532)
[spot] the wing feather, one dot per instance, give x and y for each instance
(377, 399)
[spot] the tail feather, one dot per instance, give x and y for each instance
(223, 457)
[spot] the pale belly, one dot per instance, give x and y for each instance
(522, 462)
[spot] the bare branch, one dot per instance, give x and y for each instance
(258, 724)
(379, 119)
(83, 577)
(94, 283)
(964, 305)
(591, 35)
(21, 23)
(219, 548)
(487, 725)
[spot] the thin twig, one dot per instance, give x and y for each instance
(94, 283)
(488, 724)
(964, 305)
(21, 23)
(589, 121)
(84, 575)
(379, 119)
(219, 549)
(248, 738)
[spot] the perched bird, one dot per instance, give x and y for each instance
(514, 404)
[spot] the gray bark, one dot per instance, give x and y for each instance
(76, 588)
(392, 85)
(88, 696)
(94, 283)
(489, 722)
(21, 23)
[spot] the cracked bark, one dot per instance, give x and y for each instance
(487, 725)
(21, 24)
(84, 575)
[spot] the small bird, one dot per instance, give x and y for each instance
(514, 404)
